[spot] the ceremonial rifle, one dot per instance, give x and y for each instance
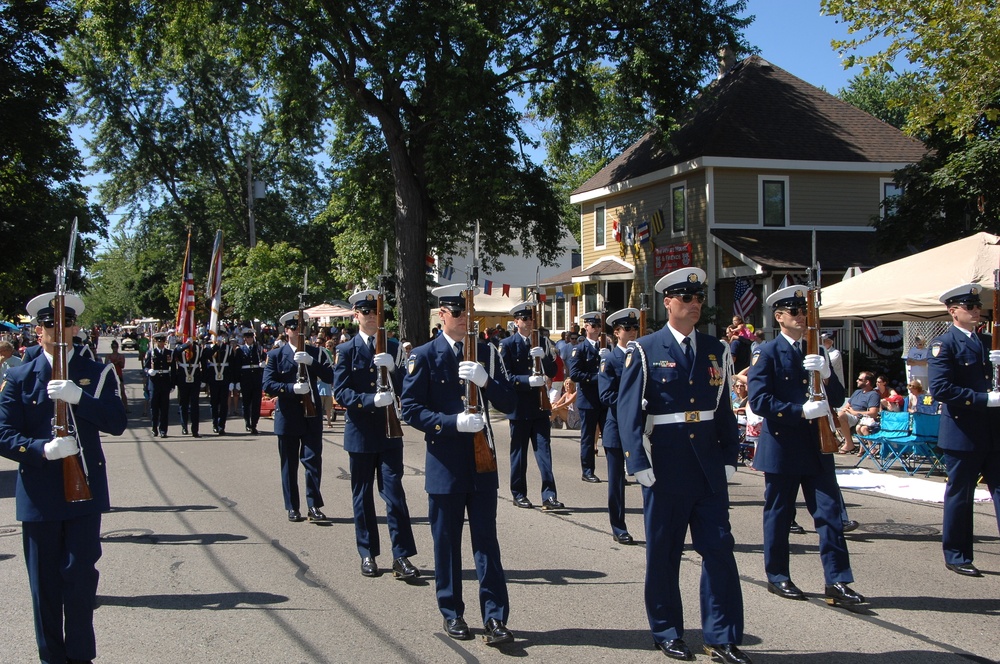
(536, 341)
(308, 406)
(393, 428)
(643, 306)
(75, 486)
(996, 326)
(828, 442)
(485, 453)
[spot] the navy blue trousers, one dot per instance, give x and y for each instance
(387, 469)
(616, 489)
(590, 418)
(538, 433)
(187, 402)
(964, 469)
(308, 448)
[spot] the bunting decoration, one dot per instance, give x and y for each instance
(657, 222)
(185, 325)
(213, 292)
(488, 287)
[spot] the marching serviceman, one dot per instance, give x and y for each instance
(961, 367)
(625, 323)
(584, 365)
(674, 386)
(219, 375)
(62, 540)
(373, 454)
(159, 366)
(187, 376)
(529, 424)
(788, 451)
(82, 342)
(434, 388)
(299, 437)
(251, 360)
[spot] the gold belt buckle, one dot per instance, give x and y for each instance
(692, 416)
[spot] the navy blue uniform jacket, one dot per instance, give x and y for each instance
(519, 365)
(584, 365)
(280, 375)
(778, 387)
(26, 425)
(608, 382)
(960, 377)
(709, 445)
(432, 399)
(354, 381)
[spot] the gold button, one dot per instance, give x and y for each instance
(779, 414)
(692, 400)
(691, 436)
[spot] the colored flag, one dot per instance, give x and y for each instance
(657, 220)
(642, 233)
(429, 259)
(448, 272)
(744, 298)
(214, 290)
(542, 296)
(488, 287)
(185, 326)
(506, 290)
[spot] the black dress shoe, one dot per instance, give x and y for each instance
(965, 569)
(402, 568)
(727, 652)
(785, 589)
(253, 430)
(368, 566)
(850, 525)
(457, 629)
(184, 430)
(796, 529)
(316, 515)
(497, 633)
(248, 429)
(163, 434)
(521, 501)
(196, 434)
(552, 504)
(675, 649)
(623, 538)
(590, 477)
(294, 516)
(841, 593)
(155, 433)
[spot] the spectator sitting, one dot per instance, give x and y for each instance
(861, 410)
(564, 408)
(919, 401)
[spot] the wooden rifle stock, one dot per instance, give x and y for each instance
(828, 442)
(393, 427)
(75, 487)
(308, 405)
(486, 459)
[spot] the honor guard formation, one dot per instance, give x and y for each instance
(659, 403)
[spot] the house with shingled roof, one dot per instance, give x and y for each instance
(766, 170)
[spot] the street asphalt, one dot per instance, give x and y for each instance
(201, 564)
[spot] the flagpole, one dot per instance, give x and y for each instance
(184, 313)
(213, 291)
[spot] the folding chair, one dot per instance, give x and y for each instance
(922, 445)
(893, 424)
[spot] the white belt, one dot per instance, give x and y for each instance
(680, 418)
(158, 372)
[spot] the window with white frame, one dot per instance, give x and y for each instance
(678, 208)
(890, 196)
(599, 223)
(773, 192)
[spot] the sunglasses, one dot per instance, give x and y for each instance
(455, 312)
(49, 324)
(292, 325)
(795, 311)
(686, 298)
(523, 317)
(629, 327)
(365, 312)
(969, 306)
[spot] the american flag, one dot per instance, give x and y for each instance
(214, 290)
(870, 331)
(185, 307)
(744, 299)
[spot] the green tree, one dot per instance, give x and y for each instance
(265, 282)
(111, 294)
(40, 169)
(881, 95)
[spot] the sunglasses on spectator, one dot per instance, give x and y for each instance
(49, 324)
(687, 297)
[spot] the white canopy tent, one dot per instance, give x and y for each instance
(908, 289)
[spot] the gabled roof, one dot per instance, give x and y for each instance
(760, 111)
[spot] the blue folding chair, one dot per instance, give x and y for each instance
(893, 424)
(919, 449)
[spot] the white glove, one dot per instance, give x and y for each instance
(384, 360)
(59, 448)
(473, 371)
(604, 352)
(383, 399)
(817, 363)
(645, 477)
(301, 388)
(994, 399)
(237, 387)
(64, 390)
(303, 357)
(536, 381)
(150, 372)
(232, 386)
(263, 363)
(995, 356)
(469, 422)
(813, 409)
(537, 351)
(730, 471)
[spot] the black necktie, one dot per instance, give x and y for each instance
(371, 345)
(799, 348)
(688, 353)
(458, 350)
